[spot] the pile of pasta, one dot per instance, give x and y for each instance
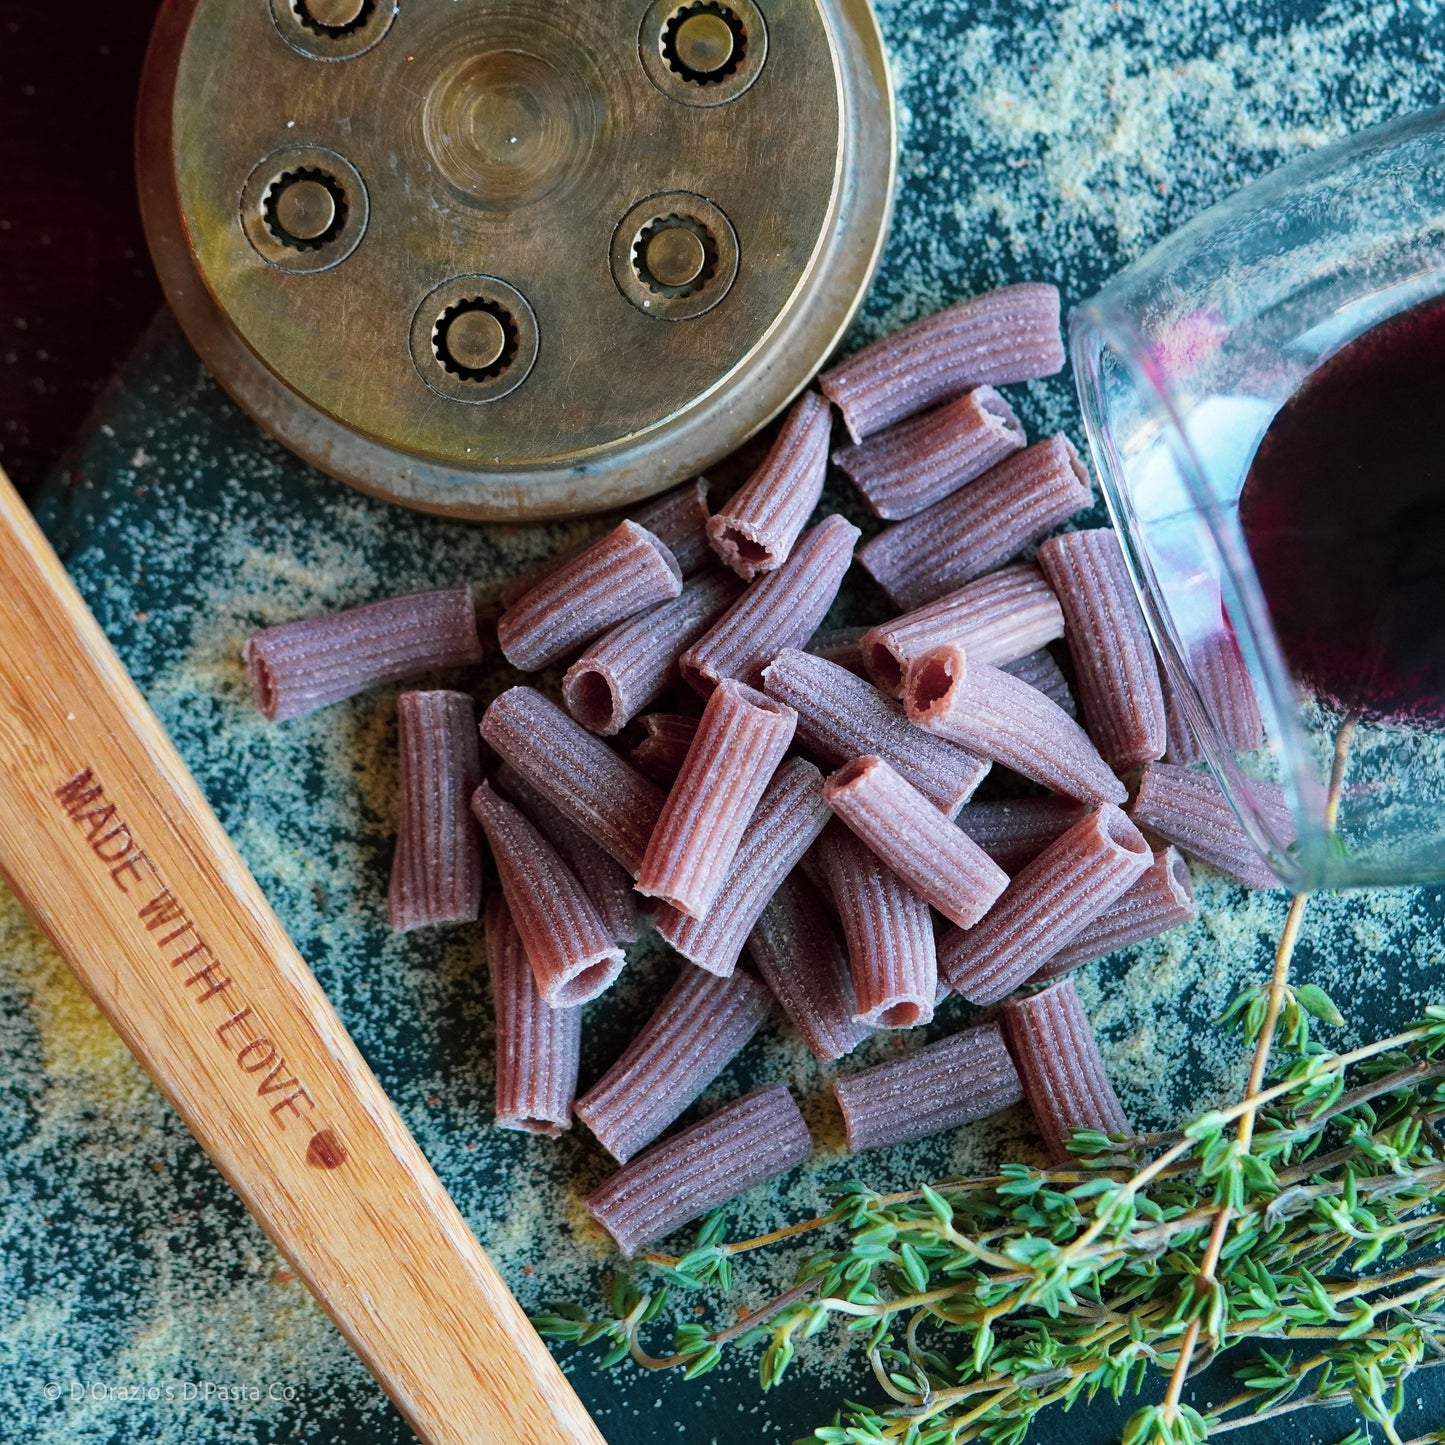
(819, 779)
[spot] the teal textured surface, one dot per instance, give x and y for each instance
(137, 1300)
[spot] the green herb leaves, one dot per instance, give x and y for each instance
(976, 1303)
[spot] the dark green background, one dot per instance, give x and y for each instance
(1040, 141)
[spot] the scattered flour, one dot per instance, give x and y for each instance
(1040, 140)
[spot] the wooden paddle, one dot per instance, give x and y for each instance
(106, 839)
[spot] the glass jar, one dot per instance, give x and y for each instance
(1182, 361)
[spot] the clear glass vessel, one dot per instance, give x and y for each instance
(1182, 362)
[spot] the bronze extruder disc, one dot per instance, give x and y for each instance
(509, 259)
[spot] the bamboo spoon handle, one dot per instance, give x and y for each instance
(108, 842)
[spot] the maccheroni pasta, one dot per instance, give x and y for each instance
(691, 1038)
(840, 645)
(739, 743)
(891, 952)
(938, 861)
(1041, 670)
(998, 716)
(813, 838)
(754, 531)
(636, 662)
(623, 573)
(1118, 678)
(538, 1046)
(789, 816)
(799, 954)
(1011, 334)
(603, 878)
(1014, 831)
(662, 744)
(781, 609)
(999, 619)
(1161, 899)
(301, 666)
(967, 1076)
(678, 519)
(570, 948)
(841, 716)
(980, 526)
(1058, 1063)
(907, 467)
(609, 800)
(1046, 903)
(1187, 808)
(436, 875)
(743, 1144)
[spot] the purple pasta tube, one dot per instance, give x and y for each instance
(1011, 334)
(996, 716)
(740, 741)
(938, 861)
(1117, 676)
(996, 620)
(788, 819)
(538, 1047)
(620, 574)
(989, 521)
(840, 717)
(781, 609)
(959, 1079)
(1040, 671)
(604, 796)
(1162, 899)
(636, 662)
(1187, 808)
(910, 466)
(436, 876)
(842, 646)
(678, 519)
(800, 956)
(1015, 831)
(694, 1034)
(1046, 905)
(743, 1144)
(662, 749)
(515, 588)
(569, 947)
(891, 951)
(301, 666)
(1058, 1063)
(754, 531)
(604, 880)
(1181, 746)
(1226, 690)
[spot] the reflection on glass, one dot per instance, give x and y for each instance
(1265, 397)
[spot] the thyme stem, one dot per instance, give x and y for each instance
(1244, 1137)
(1312, 1210)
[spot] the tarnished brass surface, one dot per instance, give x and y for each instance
(675, 256)
(306, 209)
(704, 42)
(481, 258)
(476, 340)
(649, 229)
(333, 14)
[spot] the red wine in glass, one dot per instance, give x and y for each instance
(1343, 512)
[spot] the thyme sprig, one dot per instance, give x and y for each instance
(979, 1302)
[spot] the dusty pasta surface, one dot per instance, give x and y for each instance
(125, 1258)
